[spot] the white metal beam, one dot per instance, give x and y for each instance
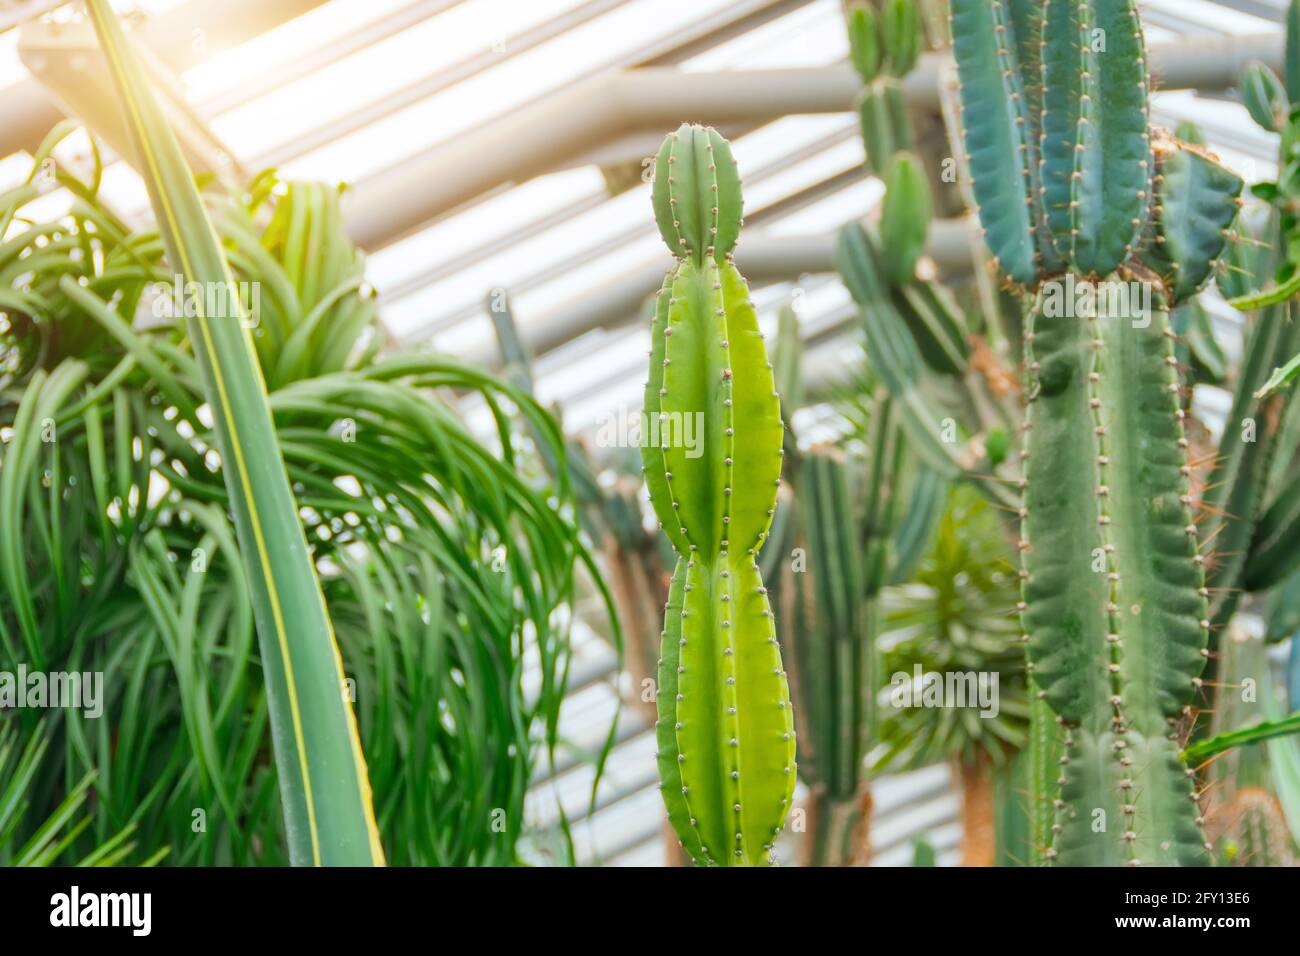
(546, 135)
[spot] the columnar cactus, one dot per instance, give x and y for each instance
(884, 44)
(1073, 186)
(1257, 521)
(725, 730)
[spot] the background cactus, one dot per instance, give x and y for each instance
(828, 626)
(1114, 605)
(947, 406)
(850, 534)
(1244, 816)
(725, 729)
(884, 43)
(1253, 505)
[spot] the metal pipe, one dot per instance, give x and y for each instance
(29, 113)
(545, 135)
(760, 258)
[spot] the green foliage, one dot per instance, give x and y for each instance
(1263, 94)
(49, 841)
(1252, 517)
(329, 812)
(955, 615)
(441, 568)
(725, 731)
(1280, 378)
(1235, 499)
(1263, 730)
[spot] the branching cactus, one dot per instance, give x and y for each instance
(1085, 208)
(725, 731)
(884, 44)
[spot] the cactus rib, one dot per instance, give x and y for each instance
(1096, 165)
(996, 132)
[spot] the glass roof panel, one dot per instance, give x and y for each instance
(519, 79)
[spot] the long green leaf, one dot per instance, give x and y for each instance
(1264, 730)
(323, 780)
(1280, 377)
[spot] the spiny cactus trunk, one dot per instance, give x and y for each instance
(1113, 598)
(1072, 190)
(1254, 831)
(725, 732)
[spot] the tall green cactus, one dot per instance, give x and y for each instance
(829, 632)
(725, 731)
(1072, 185)
(884, 45)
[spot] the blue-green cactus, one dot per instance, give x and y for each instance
(1114, 603)
(1095, 158)
(1196, 201)
(725, 730)
(997, 90)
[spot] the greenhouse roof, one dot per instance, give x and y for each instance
(500, 145)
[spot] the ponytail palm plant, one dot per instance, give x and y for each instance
(954, 617)
(409, 578)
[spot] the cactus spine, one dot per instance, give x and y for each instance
(1070, 186)
(725, 731)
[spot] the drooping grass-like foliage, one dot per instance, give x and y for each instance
(442, 569)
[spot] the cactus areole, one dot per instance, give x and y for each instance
(725, 731)
(1074, 190)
